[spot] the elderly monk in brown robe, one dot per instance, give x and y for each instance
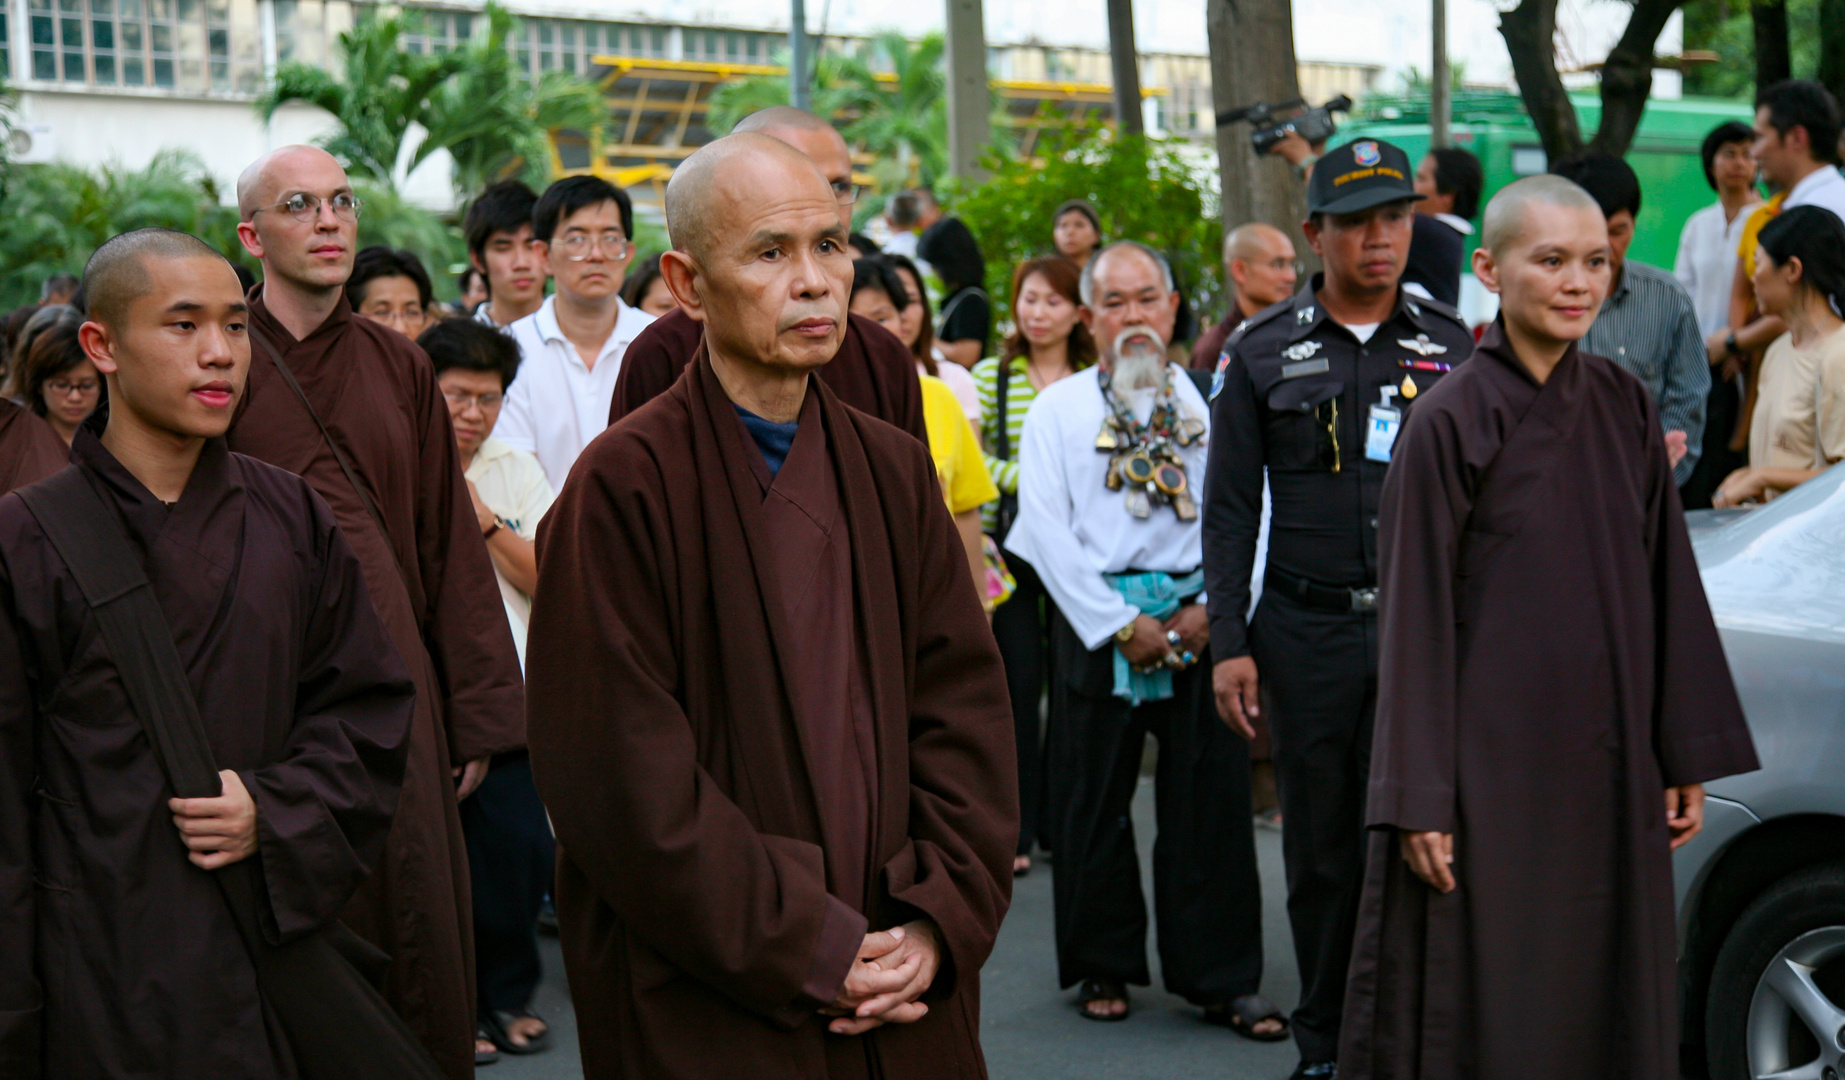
(768, 719)
(29, 449)
(1552, 696)
(374, 395)
(119, 955)
(872, 371)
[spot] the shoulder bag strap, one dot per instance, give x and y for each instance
(352, 474)
(337, 1025)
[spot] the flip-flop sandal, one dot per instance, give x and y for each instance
(1243, 1014)
(484, 1057)
(1102, 990)
(498, 1027)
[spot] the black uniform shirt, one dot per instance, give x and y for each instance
(1295, 398)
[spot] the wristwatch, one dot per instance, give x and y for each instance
(493, 528)
(1126, 633)
(1729, 343)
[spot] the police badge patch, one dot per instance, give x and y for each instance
(1365, 153)
(1301, 351)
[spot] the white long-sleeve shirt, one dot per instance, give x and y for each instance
(1072, 529)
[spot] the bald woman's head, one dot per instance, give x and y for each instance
(123, 270)
(1506, 215)
(759, 252)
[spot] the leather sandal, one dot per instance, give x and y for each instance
(1102, 990)
(1243, 1014)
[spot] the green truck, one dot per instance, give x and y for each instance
(1495, 127)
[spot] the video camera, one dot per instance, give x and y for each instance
(1313, 125)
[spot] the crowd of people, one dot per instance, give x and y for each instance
(713, 697)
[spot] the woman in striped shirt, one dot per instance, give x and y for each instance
(1048, 342)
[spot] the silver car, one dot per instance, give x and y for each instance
(1762, 890)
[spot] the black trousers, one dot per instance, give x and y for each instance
(1717, 461)
(1020, 626)
(511, 859)
(1319, 670)
(1205, 886)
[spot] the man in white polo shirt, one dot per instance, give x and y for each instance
(572, 346)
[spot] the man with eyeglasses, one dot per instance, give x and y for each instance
(1259, 263)
(1312, 396)
(354, 408)
(573, 345)
(873, 370)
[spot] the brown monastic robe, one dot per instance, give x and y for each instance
(1549, 666)
(433, 584)
(118, 957)
(682, 743)
(873, 371)
(29, 449)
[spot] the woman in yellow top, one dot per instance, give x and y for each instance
(878, 294)
(1794, 433)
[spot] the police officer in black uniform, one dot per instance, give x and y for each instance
(1312, 391)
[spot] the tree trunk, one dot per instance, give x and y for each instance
(1832, 46)
(1530, 32)
(1627, 75)
(970, 96)
(1124, 64)
(1773, 62)
(1252, 59)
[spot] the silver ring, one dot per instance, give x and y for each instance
(1172, 637)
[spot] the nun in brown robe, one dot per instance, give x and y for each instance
(433, 585)
(873, 371)
(1549, 668)
(768, 717)
(29, 449)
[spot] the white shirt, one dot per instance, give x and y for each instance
(1072, 529)
(513, 486)
(1822, 187)
(1706, 264)
(557, 404)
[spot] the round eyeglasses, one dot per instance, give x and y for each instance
(304, 207)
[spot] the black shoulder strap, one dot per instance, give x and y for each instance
(1002, 394)
(352, 474)
(314, 983)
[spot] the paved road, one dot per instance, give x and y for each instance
(1030, 1028)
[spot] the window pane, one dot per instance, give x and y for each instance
(220, 43)
(570, 63)
(44, 64)
(74, 7)
(567, 35)
(73, 67)
(40, 5)
(544, 32)
(131, 37)
(102, 8)
(220, 74)
(191, 74)
(42, 31)
(105, 69)
(133, 72)
(218, 11)
(160, 9)
(102, 33)
(186, 11)
(73, 33)
(163, 73)
(131, 9)
(160, 39)
(464, 26)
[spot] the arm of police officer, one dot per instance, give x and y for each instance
(1232, 520)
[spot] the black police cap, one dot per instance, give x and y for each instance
(1359, 175)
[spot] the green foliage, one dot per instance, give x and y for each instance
(58, 214)
(387, 218)
(1144, 189)
(379, 91)
(1727, 30)
(493, 118)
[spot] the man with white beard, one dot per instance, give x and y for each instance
(1111, 460)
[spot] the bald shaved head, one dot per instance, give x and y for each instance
(1253, 241)
(1259, 261)
(812, 136)
(780, 118)
(1505, 215)
(258, 185)
(122, 270)
(721, 174)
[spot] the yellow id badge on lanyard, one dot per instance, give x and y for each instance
(1381, 432)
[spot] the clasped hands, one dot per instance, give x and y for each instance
(1153, 645)
(1431, 854)
(894, 968)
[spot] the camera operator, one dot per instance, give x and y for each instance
(1314, 392)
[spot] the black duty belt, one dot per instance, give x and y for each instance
(1322, 597)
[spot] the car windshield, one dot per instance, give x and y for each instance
(1781, 569)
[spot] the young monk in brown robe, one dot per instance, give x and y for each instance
(29, 449)
(872, 371)
(1552, 695)
(427, 566)
(119, 954)
(768, 719)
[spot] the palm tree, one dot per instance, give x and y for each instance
(492, 117)
(381, 89)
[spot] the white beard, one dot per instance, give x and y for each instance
(1140, 360)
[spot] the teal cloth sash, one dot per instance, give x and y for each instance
(1157, 595)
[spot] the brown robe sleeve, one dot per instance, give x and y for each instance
(21, 994)
(324, 807)
(1427, 497)
(653, 361)
(956, 867)
(29, 449)
(469, 641)
(688, 872)
(1699, 731)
